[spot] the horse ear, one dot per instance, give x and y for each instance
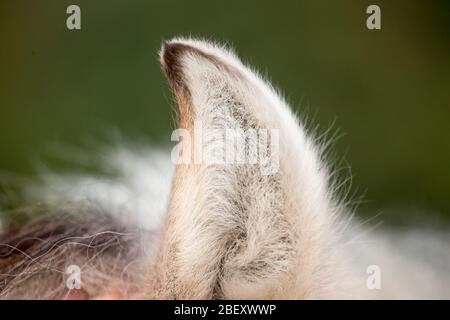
(234, 230)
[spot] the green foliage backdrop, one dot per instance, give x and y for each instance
(387, 90)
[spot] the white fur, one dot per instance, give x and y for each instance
(291, 222)
(296, 204)
(135, 193)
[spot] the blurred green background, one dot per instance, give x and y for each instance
(387, 90)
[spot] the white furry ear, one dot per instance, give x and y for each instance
(207, 78)
(232, 229)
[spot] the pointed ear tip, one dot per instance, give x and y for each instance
(169, 59)
(170, 55)
(171, 51)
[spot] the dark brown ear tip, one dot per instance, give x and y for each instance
(171, 54)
